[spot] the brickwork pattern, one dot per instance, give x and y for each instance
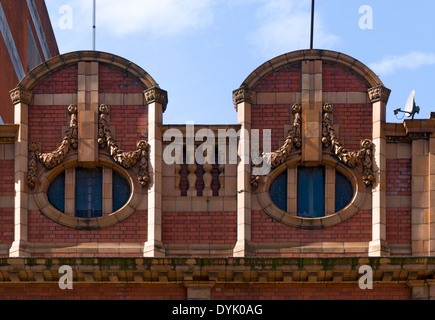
(93, 292)
(338, 79)
(7, 185)
(356, 229)
(398, 177)
(309, 292)
(199, 227)
(62, 81)
(398, 184)
(112, 80)
(46, 124)
(133, 229)
(274, 117)
(354, 122)
(130, 125)
(6, 226)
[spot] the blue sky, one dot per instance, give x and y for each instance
(202, 50)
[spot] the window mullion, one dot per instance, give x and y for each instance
(329, 191)
(107, 191)
(70, 191)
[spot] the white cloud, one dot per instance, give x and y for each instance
(284, 25)
(410, 61)
(157, 18)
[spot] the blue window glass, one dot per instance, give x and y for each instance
(89, 193)
(121, 191)
(56, 193)
(278, 191)
(343, 191)
(311, 191)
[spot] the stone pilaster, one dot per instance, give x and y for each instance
(157, 100)
(87, 98)
(431, 186)
(312, 97)
(21, 99)
(378, 246)
(243, 99)
(420, 197)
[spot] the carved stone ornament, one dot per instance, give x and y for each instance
(293, 140)
(243, 94)
(53, 159)
(21, 95)
(125, 159)
(157, 95)
(352, 159)
(379, 93)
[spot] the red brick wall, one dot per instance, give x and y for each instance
(398, 177)
(62, 81)
(339, 79)
(274, 117)
(7, 189)
(219, 292)
(43, 229)
(7, 185)
(93, 292)
(129, 124)
(398, 184)
(199, 227)
(355, 229)
(287, 79)
(6, 225)
(112, 80)
(309, 292)
(45, 125)
(354, 122)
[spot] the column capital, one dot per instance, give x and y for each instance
(21, 95)
(243, 94)
(155, 94)
(379, 93)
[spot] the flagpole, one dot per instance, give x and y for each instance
(94, 24)
(312, 24)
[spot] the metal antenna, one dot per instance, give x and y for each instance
(94, 24)
(312, 25)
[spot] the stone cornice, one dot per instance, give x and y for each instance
(217, 270)
(8, 133)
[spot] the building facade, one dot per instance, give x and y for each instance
(92, 179)
(26, 40)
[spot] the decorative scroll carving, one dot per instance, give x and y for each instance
(32, 172)
(125, 159)
(351, 159)
(243, 94)
(293, 139)
(52, 159)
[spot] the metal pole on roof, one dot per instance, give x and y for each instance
(94, 24)
(312, 25)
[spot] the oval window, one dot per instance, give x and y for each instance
(90, 199)
(121, 191)
(278, 191)
(343, 191)
(56, 193)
